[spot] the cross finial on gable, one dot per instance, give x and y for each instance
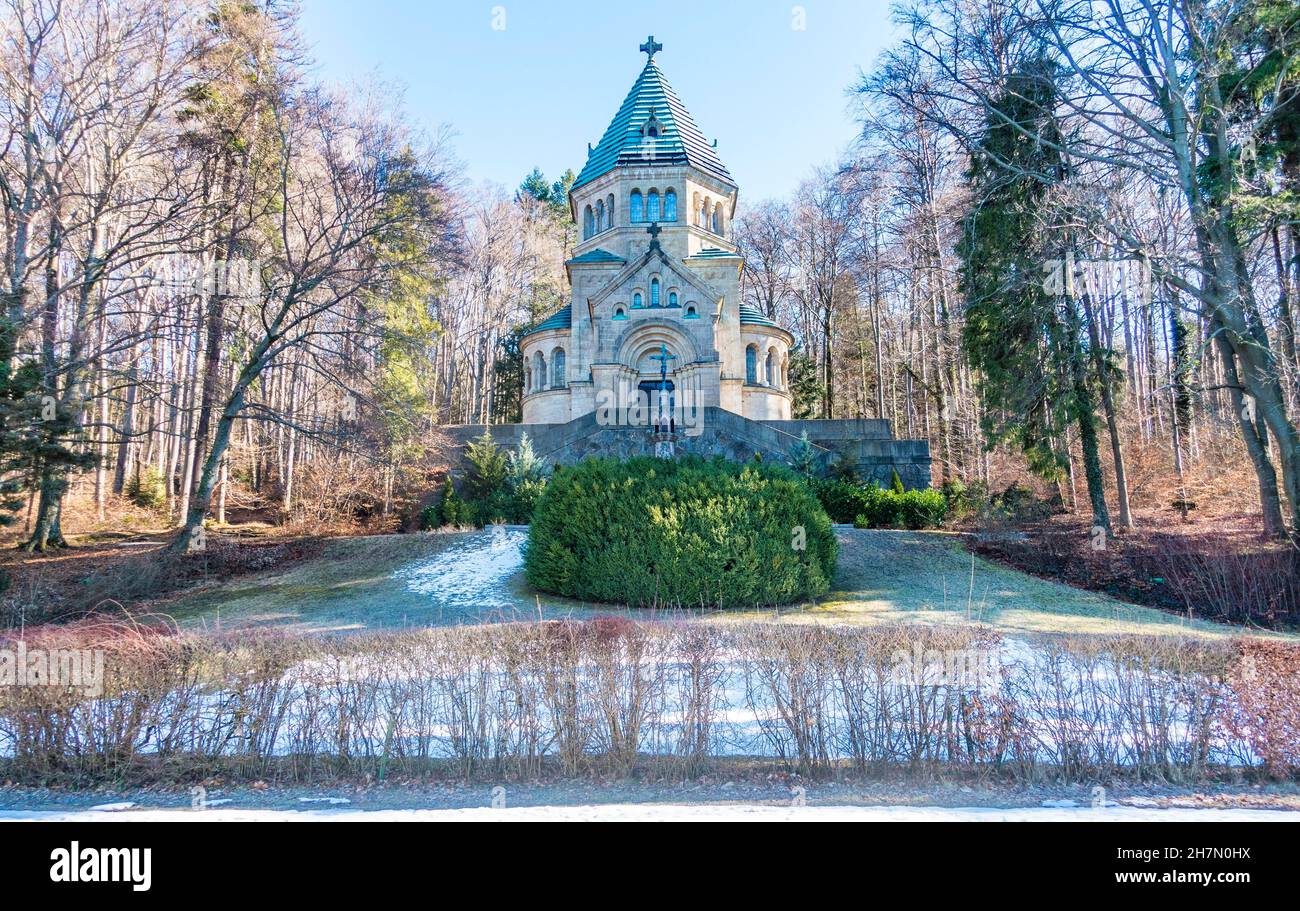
(651, 47)
(654, 231)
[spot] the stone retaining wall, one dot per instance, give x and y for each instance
(719, 432)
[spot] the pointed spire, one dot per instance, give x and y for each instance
(679, 140)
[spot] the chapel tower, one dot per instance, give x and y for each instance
(655, 271)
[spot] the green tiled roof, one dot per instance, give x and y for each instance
(560, 319)
(680, 140)
(751, 317)
(597, 256)
(712, 253)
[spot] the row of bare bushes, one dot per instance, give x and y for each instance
(1257, 585)
(617, 697)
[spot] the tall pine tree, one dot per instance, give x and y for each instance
(1023, 333)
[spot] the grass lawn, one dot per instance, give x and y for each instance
(927, 577)
(441, 579)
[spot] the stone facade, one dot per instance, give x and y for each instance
(654, 337)
(656, 273)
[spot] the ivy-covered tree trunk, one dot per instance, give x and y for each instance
(1255, 437)
(1100, 366)
(1085, 415)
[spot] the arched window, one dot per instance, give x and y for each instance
(636, 300)
(609, 211)
(620, 314)
(558, 379)
(528, 378)
(652, 206)
(600, 216)
(588, 223)
(654, 292)
(703, 219)
(751, 365)
(539, 371)
(638, 210)
(717, 219)
(672, 298)
(670, 205)
(771, 367)
(691, 314)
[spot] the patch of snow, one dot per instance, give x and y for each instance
(471, 573)
(331, 800)
(112, 807)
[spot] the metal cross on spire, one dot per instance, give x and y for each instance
(651, 47)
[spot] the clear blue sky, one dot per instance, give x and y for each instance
(538, 90)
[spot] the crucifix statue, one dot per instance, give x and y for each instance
(663, 357)
(654, 231)
(651, 47)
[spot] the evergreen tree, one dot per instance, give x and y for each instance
(803, 456)
(450, 507)
(524, 466)
(805, 385)
(526, 474)
(535, 185)
(508, 390)
(1023, 333)
(487, 463)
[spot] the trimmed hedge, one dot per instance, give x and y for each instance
(843, 500)
(690, 533)
(868, 506)
(913, 509)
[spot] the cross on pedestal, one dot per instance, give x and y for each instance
(654, 231)
(651, 47)
(663, 357)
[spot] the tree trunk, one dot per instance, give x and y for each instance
(1256, 442)
(1108, 408)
